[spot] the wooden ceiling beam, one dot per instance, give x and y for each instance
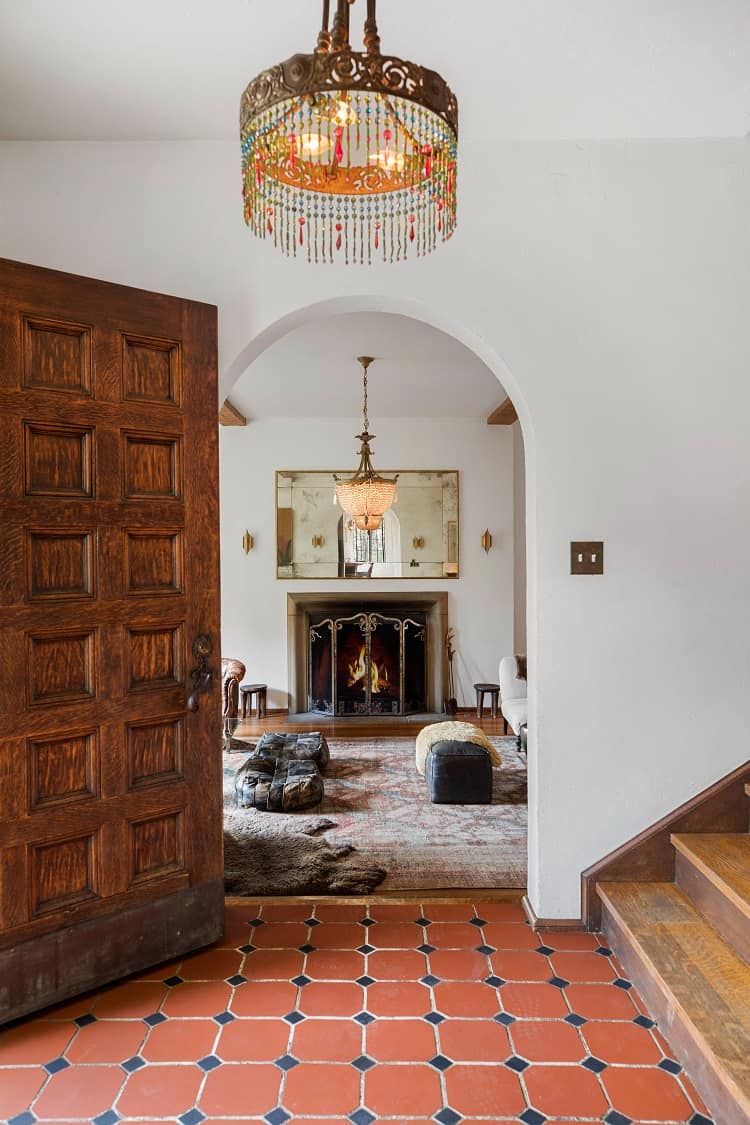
(503, 415)
(230, 416)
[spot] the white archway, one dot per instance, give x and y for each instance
(460, 331)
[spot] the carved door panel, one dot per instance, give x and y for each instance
(110, 799)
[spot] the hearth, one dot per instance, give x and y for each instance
(368, 663)
(376, 655)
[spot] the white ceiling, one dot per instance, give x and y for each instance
(523, 69)
(419, 372)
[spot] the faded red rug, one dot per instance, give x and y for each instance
(379, 803)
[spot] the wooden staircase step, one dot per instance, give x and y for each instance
(714, 871)
(694, 984)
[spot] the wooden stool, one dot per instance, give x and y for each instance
(247, 691)
(493, 690)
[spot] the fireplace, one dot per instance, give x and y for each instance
(367, 663)
(375, 655)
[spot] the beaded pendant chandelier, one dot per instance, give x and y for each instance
(349, 155)
(366, 497)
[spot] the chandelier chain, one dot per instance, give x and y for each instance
(366, 419)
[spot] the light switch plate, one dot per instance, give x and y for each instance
(587, 558)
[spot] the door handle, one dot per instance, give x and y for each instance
(201, 676)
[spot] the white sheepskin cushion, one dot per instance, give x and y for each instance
(452, 732)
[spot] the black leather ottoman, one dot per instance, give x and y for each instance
(459, 773)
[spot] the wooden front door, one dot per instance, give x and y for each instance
(110, 787)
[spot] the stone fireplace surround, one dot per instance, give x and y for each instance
(300, 607)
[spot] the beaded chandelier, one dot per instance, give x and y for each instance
(366, 497)
(349, 155)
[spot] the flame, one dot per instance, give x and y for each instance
(358, 671)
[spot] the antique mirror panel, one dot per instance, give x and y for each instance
(316, 539)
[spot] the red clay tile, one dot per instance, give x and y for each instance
(241, 1089)
(454, 935)
(569, 939)
(159, 972)
(280, 935)
(459, 964)
(236, 932)
(179, 1041)
(264, 998)
(582, 967)
(253, 1040)
(273, 964)
(466, 999)
(484, 1091)
(402, 1089)
(501, 911)
(332, 998)
(132, 1000)
(18, 1089)
(400, 1041)
(163, 1090)
(600, 1002)
(398, 998)
(534, 1001)
(399, 935)
(34, 1042)
(449, 911)
(286, 912)
(78, 1092)
(215, 964)
(396, 964)
(315, 1088)
(80, 1006)
(510, 935)
(568, 1091)
(519, 965)
(331, 912)
(338, 935)
(107, 1041)
(335, 964)
(546, 1041)
(694, 1096)
(621, 1043)
(327, 1040)
(197, 998)
(474, 1041)
(646, 1092)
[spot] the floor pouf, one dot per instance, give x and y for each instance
(286, 785)
(279, 746)
(459, 773)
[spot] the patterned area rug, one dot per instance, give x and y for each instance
(378, 802)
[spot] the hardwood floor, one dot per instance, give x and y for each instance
(356, 727)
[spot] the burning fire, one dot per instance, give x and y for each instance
(358, 671)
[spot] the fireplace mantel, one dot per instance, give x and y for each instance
(300, 607)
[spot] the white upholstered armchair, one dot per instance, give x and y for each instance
(513, 692)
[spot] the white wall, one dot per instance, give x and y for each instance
(519, 541)
(608, 285)
(480, 602)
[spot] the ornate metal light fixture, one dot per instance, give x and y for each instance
(349, 154)
(366, 497)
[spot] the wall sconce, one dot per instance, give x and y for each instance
(318, 540)
(486, 541)
(418, 542)
(247, 543)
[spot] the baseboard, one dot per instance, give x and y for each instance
(649, 857)
(537, 923)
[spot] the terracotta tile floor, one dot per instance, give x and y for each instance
(413, 1013)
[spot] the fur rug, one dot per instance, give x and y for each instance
(454, 731)
(265, 854)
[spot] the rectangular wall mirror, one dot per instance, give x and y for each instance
(316, 539)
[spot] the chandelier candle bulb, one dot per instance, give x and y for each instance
(360, 146)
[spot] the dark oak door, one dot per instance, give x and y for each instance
(110, 787)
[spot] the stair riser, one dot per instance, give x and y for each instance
(728, 1105)
(727, 918)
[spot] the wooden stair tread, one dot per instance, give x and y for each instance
(723, 858)
(706, 980)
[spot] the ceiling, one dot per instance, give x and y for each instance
(419, 372)
(523, 69)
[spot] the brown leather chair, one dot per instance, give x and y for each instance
(232, 673)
